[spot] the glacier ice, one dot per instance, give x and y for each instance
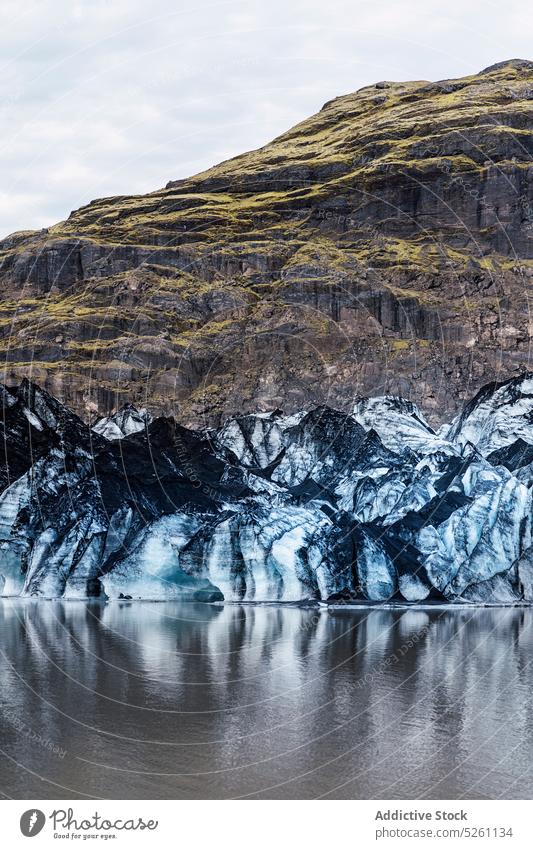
(124, 422)
(372, 506)
(497, 416)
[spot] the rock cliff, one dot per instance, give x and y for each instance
(383, 246)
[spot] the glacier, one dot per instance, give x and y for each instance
(366, 506)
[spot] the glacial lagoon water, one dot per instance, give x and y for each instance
(144, 700)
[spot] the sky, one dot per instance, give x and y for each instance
(105, 97)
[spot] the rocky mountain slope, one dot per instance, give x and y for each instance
(318, 505)
(383, 246)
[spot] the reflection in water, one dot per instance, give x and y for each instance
(195, 701)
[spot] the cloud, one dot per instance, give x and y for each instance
(99, 97)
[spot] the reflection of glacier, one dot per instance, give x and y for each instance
(172, 700)
(320, 505)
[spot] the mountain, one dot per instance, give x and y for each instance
(381, 247)
(316, 506)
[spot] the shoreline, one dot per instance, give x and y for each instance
(298, 605)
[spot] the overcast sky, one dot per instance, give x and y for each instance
(102, 97)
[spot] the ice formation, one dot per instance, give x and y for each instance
(371, 505)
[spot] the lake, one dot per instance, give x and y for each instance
(147, 700)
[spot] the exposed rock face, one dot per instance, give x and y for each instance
(381, 247)
(320, 505)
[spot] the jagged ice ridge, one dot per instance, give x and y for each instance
(322, 505)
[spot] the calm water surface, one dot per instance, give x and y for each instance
(173, 700)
